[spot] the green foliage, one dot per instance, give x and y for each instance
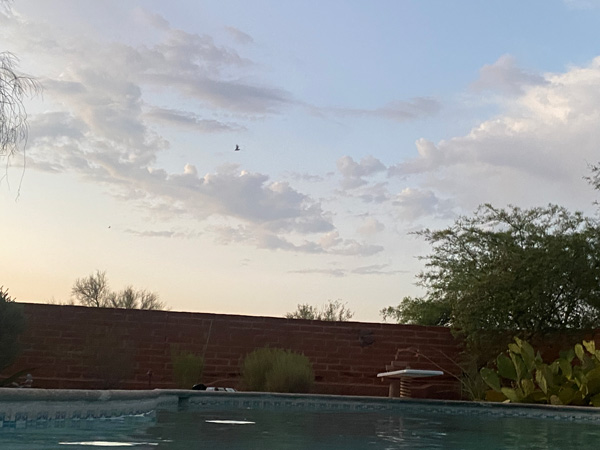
(419, 311)
(255, 367)
(94, 291)
(290, 373)
(332, 311)
(594, 179)
(521, 271)
(277, 370)
(304, 311)
(521, 376)
(187, 368)
(472, 385)
(12, 324)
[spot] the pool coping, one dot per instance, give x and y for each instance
(30, 407)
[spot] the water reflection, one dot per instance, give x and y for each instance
(352, 430)
(250, 429)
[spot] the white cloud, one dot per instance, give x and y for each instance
(188, 121)
(353, 172)
(370, 226)
(246, 196)
(101, 126)
(534, 153)
(188, 65)
(377, 193)
(190, 169)
(430, 158)
(416, 203)
(330, 243)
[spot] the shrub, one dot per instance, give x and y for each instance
(187, 368)
(12, 324)
(277, 370)
(255, 367)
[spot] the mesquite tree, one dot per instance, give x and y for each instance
(519, 271)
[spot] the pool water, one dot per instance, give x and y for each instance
(260, 429)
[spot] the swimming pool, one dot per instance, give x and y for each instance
(180, 420)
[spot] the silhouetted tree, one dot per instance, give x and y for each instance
(332, 311)
(94, 291)
(12, 324)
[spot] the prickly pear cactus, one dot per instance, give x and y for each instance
(522, 377)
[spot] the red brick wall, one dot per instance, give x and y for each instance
(78, 347)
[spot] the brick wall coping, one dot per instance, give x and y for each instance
(227, 317)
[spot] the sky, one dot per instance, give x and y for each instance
(359, 123)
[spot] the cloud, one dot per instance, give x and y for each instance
(370, 226)
(430, 158)
(102, 129)
(238, 194)
(163, 234)
(187, 121)
(401, 111)
(234, 95)
(239, 36)
(535, 152)
(376, 269)
(333, 244)
(149, 18)
(504, 76)
(338, 273)
(129, 173)
(377, 193)
(190, 169)
(308, 177)
(188, 65)
(353, 172)
(397, 111)
(330, 243)
(54, 125)
(415, 203)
